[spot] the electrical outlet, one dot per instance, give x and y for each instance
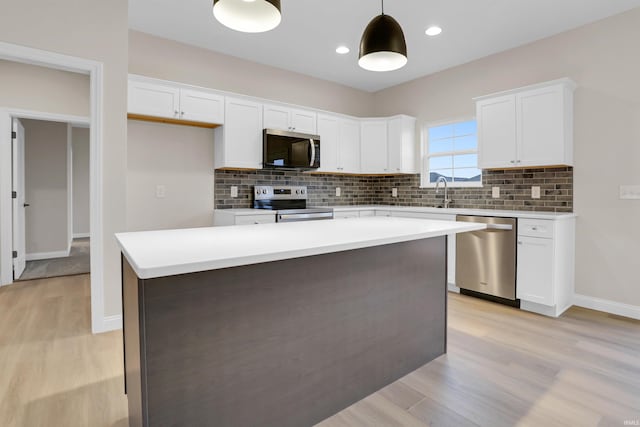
(338, 192)
(234, 191)
(160, 191)
(394, 192)
(535, 192)
(495, 192)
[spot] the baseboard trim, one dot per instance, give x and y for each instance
(81, 235)
(607, 306)
(46, 255)
(109, 323)
(453, 288)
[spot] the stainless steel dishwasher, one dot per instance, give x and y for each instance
(486, 259)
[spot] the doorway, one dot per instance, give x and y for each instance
(94, 71)
(51, 222)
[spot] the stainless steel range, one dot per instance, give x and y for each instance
(290, 202)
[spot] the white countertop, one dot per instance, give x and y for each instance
(451, 211)
(456, 211)
(169, 252)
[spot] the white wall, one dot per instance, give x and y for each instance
(97, 30)
(80, 170)
(603, 59)
(149, 56)
(180, 158)
(30, 87)
(45, 187)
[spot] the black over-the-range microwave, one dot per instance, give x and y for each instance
(290, 150)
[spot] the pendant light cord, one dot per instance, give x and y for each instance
(382, 7)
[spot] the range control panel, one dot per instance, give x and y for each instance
(267, 192)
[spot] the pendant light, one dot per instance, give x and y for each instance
(382, 47)
(248, 16)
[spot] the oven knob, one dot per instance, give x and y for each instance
(302, 191)
(297, 191)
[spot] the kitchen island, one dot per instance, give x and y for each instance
(278, 324)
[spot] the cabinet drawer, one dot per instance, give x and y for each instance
(346, 215)
(535, 228)
(255, 219)
(367, 213)
(382, 213)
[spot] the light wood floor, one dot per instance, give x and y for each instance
(504, 368)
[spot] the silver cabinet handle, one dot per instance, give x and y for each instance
(534, 228)
(182, 113)
(512, 161)
(176, 112)
(519, 242)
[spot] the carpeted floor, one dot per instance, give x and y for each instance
(78, 262)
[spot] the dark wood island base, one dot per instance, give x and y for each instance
(282, 343)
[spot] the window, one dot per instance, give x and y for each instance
(451, 151)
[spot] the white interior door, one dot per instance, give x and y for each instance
(19, 200)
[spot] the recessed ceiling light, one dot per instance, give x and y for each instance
(433, 31)
(342, 50)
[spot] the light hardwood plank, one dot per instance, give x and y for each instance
(504, 367)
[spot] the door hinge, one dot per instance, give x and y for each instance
(14, 195)
(15, 254)
(14, 135)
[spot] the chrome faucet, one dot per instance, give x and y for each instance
(446, 190)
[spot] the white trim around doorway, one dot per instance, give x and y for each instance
(23, 54)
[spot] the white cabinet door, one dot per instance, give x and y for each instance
(155, 100)
(497, 132)
(535, 267)
(303, 121)
(239, 142)
(401, 143)
(373, 146)
(346, 215)
(349, 147)
(540, 123)
(255, 219)
(276, 117)
(329, 131)
(200, 106)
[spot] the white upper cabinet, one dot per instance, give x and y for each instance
(339, 144)
(349, 146)
(401, 144)
(151, 99)
(289, 119)
(388, 145)
(238, 144)
(201, 106)
(329, 131)
(373, 146)
(531, 126)
(496, 119)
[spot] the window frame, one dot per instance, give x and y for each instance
(424, 155)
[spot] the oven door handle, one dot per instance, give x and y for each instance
(313, 152)
(304, 217)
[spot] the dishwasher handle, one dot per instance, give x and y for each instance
(507, 227)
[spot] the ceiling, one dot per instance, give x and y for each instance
(311, 30)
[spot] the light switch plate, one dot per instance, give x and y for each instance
(495, 192)
(394, 192)
(535, 192)
(234, 191)
(338, 192)
(160, 191)
(630, 192)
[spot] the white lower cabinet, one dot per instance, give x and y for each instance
(223, 217)
(346, 215)
(545, 265)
